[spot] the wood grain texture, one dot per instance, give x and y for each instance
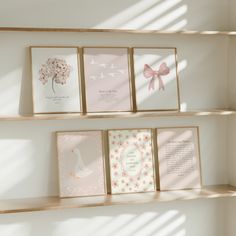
(56, 203)
(131, 31)
(156, 114)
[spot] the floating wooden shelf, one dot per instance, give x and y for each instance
(131, 31)
(69, 116)
(56, 203)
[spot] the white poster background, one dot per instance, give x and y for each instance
(67, 96)
(155, 99)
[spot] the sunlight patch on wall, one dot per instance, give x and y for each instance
(16, 163)
(170, 223)
(19, 229)
(149, 14)
(10, 86)
(166, 20)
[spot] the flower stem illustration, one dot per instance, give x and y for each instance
(53, 84)
(55, 69)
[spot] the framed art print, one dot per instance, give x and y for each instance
(55, 79)
(131, 161)
(156, 79)
(81, 168)
(179, 158)
(107, 79)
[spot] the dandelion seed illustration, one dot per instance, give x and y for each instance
(55, 69)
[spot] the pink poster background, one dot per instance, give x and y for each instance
(107, 79)
(179, 158)
(80, 178)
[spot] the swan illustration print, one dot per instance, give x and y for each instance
(80, 170)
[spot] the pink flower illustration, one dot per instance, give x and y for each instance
(146, 166)
(55, 69)
(146, 138)
(115, 166)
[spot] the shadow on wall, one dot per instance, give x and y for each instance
(139, 14)
(144, 220)
(169, 15)
(151, 14)
(116, 221)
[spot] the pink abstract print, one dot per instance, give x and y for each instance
(55, 69)
(131, 161)
(107, 81)
(148, 73)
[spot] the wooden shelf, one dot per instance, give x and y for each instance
(131, 31)
(70, 116)
(56, 203)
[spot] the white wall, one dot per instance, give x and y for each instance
(232, 15)
(194, 218)
(28, 166)
(197, 70)
(144, 14)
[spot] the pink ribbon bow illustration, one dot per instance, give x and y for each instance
(148, 72)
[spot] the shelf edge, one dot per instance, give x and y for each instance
(56, 203)
(110, 30)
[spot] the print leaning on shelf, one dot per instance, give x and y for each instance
(107, 79)
(81, 168)
(131, 161)
(179, 158)
(156, 79)
(55, 79)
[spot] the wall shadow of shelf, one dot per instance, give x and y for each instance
(156, 114)
(56, 203)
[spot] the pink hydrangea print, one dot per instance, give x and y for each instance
(55, 69)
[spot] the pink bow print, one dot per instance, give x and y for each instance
(148, 72)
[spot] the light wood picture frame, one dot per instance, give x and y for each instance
(107, 79)
(155, 79)
(131, 160)
(56, 81)
(179, 162)
(82, 169)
